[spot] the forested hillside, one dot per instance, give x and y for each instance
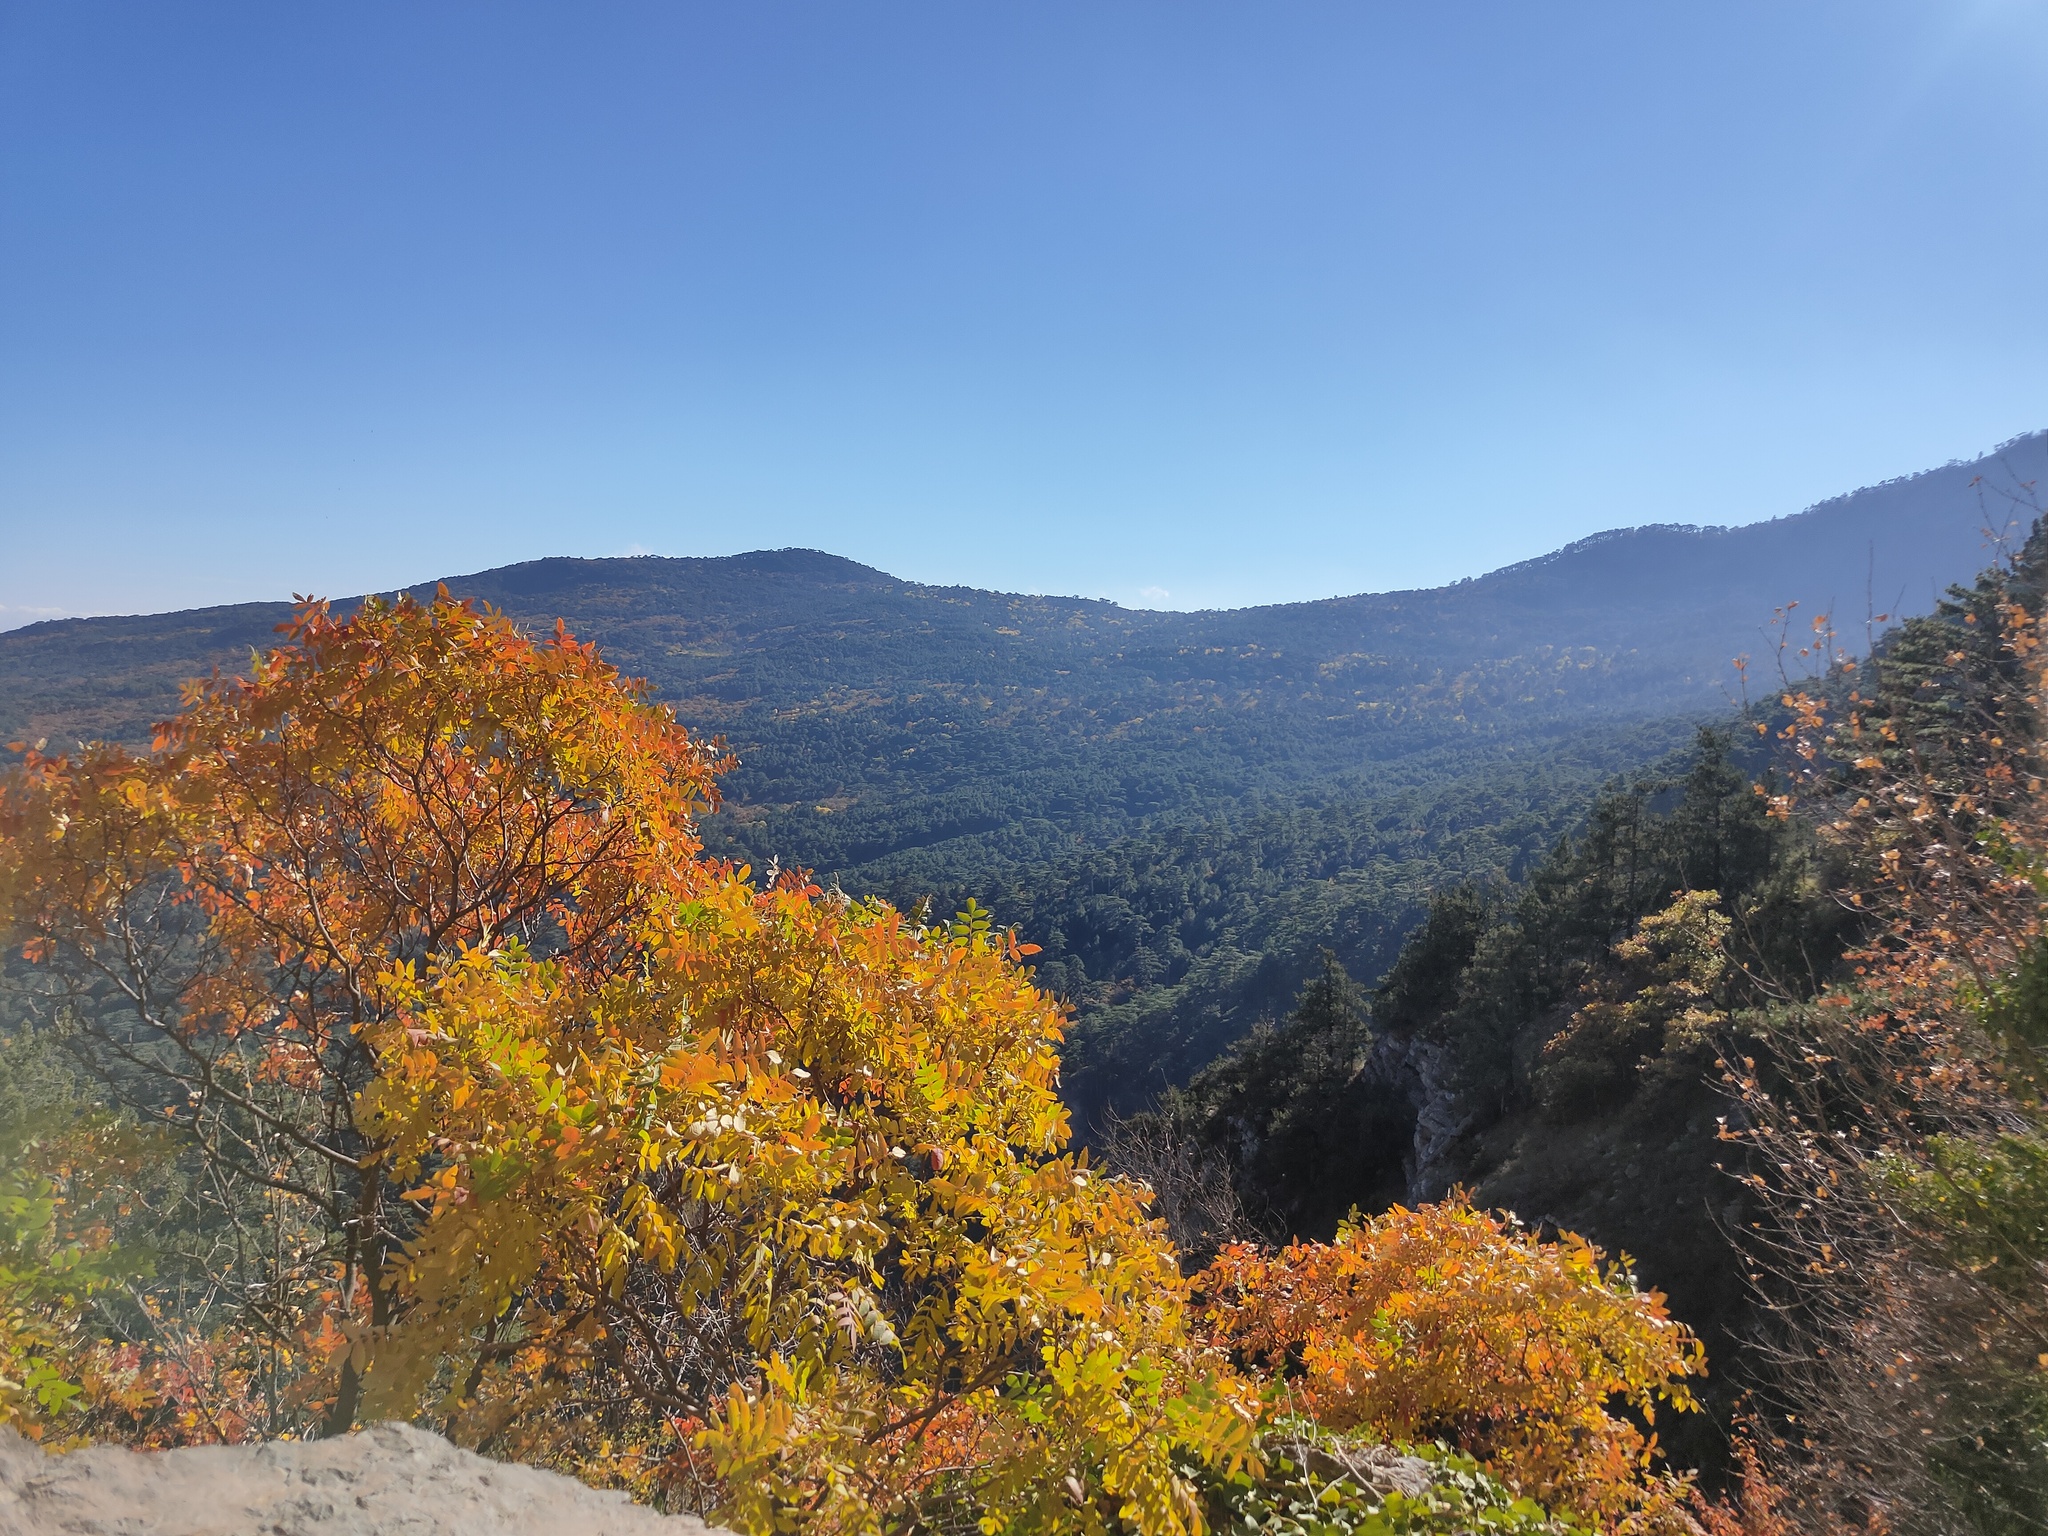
(1180, 808)
(1731, 1027)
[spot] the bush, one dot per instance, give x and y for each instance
(1448, 1322)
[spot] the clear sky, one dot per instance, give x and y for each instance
(1180, 303)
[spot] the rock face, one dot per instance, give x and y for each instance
(389, 1481)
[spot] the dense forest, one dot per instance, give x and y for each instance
(1510, 1049)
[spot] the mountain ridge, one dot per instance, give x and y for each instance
(794, 556)
(838, 681)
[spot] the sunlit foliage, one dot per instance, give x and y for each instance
(531, 1118)
(216, 917)
(1455, 1323)
(1664, 987)
(800, 1179)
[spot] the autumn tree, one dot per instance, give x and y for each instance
(217, 919)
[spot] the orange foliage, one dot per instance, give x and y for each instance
(1455, 1323)
(379, 791)
(1894, 1127)
(1932, 779)
(1756, 1506)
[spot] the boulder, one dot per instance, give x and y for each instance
(392, 1480)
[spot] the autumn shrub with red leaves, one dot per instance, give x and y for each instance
(1458, 1324)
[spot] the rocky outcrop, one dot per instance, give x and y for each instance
(1415, 1069)
(392, 1480)
(1443, 1118)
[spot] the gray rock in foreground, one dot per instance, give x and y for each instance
(389, 1481)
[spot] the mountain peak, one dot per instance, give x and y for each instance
(558, 574)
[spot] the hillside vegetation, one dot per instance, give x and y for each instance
(1789, 1062)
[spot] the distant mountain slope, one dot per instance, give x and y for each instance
(920, 740)
(838, 681)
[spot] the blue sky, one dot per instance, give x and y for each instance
(1184, 304)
